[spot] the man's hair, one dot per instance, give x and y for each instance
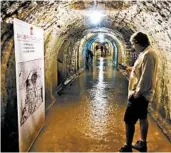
(140, 38)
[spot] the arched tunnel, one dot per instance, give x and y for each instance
(85, 100)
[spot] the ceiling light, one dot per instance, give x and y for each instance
(95, 16)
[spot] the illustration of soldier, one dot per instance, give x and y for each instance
(34, 95)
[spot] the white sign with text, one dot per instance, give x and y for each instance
(29, 54)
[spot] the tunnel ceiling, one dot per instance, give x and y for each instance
(109, 34)
(63, 19)
(69, 17)
(93, 32)
(108, 4)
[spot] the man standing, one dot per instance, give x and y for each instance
(87, 59)
(102, 48)
(141, 91)
(91, 56)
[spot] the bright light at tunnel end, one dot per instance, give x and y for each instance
(101, 37)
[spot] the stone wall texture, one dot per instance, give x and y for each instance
(65, 28)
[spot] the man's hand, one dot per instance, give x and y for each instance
(129, 68)
(137, 94)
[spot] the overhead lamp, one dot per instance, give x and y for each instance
(95, 16)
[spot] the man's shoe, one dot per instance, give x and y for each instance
(125, 149)
(140, 146)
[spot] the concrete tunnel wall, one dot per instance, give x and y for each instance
(64, 30)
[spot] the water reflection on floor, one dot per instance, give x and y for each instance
(89, 116)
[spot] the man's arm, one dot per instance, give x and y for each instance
(125, 67)
(121, 66)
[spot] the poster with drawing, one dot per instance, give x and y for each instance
(29, 54)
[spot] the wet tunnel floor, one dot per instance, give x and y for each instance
(88, 117)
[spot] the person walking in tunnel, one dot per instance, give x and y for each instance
(87, 59)
(91, 56)
(101, 50)
(105, 50)
(140, 91)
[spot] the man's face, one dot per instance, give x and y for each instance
(136, 46)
